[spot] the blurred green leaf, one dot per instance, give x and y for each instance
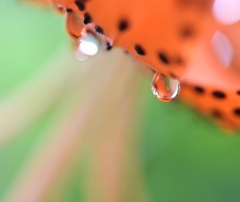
(185, 157)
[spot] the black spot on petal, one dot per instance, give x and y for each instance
(80, 5)
(237, 111)
(108, 46)
(87, 18)
(140, 50)
(219, 94)
(163, 57)
(199, 89)
(69, 10)
(99, 30)
(123, 25)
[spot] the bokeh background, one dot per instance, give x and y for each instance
(92, 131)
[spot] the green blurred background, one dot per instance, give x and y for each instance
(182, 156)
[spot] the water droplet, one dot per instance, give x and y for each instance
(164, 88)
(88, 45)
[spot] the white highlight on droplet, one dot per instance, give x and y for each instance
(88, 45)
(88, 48)
(227, 11)
(223, 48)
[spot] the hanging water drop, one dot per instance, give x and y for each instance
(164, 88)
(88, 45)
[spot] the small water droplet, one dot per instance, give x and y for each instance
(88, 45)
(164, 88)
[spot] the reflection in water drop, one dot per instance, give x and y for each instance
(88, 45)
(164, 88)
